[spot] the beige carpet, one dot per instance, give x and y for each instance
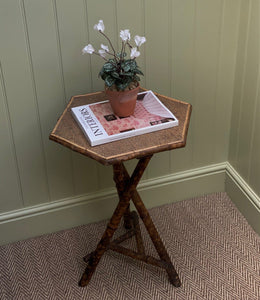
(213, 248)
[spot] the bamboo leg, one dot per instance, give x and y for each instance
(127, 218)
(138, 236)
(173, 276)
(124, 186)
(95, 257)
(121, 182)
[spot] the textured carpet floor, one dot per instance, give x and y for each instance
(214, 250)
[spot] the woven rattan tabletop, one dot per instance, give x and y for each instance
(68, 133)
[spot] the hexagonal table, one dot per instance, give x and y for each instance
(142, 147)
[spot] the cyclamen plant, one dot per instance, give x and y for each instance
(118, 72)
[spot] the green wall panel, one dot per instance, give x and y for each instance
(73, 36)
(208, 18)
(182, 81)
(250, 83)
(49, 85)
(10, 185)
(196, 51)
(245, 125)
(239, 78)
(158, 65)
(22, 103)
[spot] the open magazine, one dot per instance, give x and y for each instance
(100, 125)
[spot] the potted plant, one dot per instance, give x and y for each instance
(120, 74)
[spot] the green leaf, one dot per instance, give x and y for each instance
(126, 66)
(108, 67)
(115, 75)
(132, 63)
(130, 74)
(109, 81)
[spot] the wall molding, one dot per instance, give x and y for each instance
(243, 196)
(111, 192)
(241, 183)
(70, 212)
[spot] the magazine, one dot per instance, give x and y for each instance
(100, 125)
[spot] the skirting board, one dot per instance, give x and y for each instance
(243, 197)
(68, 213)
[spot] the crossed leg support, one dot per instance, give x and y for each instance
(126, 188)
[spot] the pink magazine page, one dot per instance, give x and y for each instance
(115, 125)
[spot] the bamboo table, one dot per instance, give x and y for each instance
(67, 133)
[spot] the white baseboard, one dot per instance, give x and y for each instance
(67, 213)
(243, 196)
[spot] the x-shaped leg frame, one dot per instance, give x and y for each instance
(126, 188)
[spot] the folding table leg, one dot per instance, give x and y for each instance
(154, 235)
(104, 242)
(124, 186)
(127, 218)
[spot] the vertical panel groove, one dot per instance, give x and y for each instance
(254, 124)
(243, 81)
(144, 33)
(170, 60)
(193, 78)
(233, 92)
(35, 99)
(87, 37)
(257, 96)
(61, 71)
(116, 24)
(220, 45)
(170, 46)
(18, 178)
(56, 22)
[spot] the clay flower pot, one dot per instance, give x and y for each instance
(123, 102)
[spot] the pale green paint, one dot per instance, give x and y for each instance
(73, 66)
(158, 69)
(245, 125)
(48, 77)
(46, 218)
(199, 51)
(243, 197)
(25, 123)
(10, 180)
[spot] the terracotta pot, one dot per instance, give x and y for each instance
(123, 102)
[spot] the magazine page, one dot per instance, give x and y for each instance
(155, 107)
(148, 113)
(100, 125)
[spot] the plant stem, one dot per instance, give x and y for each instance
(100, 56)
(104, 58)
(122, 51)
(109, 43)
(129, 45)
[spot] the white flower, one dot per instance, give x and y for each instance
(88, 49)
(102, 53)
(134, 53)
(104, 47)
(100, 26)
(139, 40)
(125, 35)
